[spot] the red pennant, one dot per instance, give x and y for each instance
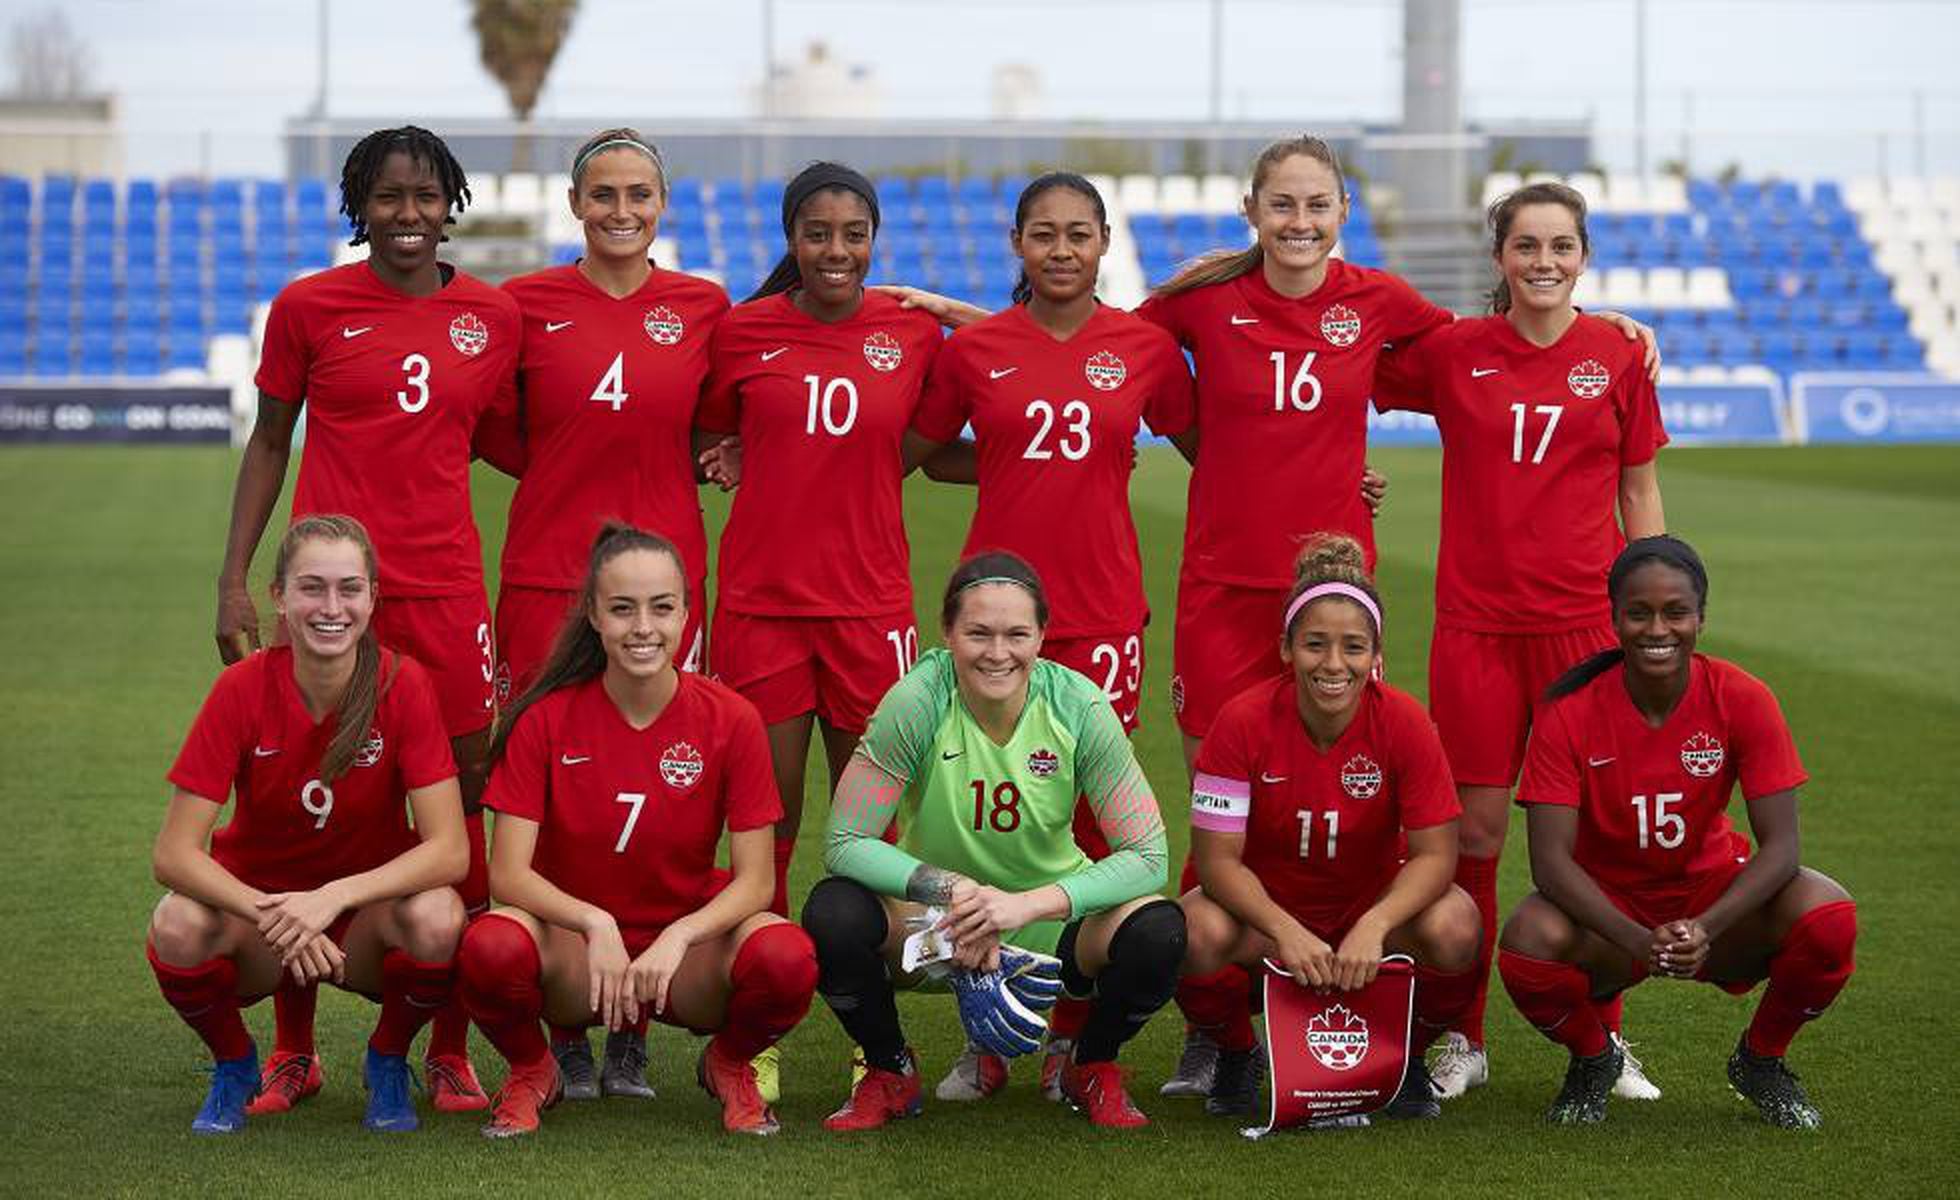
(1336, 1054)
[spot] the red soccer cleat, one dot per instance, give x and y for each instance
(879, 1097)
(1096, 1090)
(733, 1083)
(288, 1078)
(527, 1093)
(452, 1084)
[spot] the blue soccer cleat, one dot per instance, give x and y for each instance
(234, 1081)
(389, 1108)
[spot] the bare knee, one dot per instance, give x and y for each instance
(1209, 932)
(1538, 930)
(431, 923)
(1448, 933)
(184, 931)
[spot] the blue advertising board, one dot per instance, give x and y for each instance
(1722, 414)
(1875, 409)
(185, 415)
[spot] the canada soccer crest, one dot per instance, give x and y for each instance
(469, 334)
(1340, 325)
(1177, 693)
(664, 326)
(1338, 1038)
(501, 681)
(1361, 777)
(1105, 371)
(882, 352)
(370, 751)
(1043, 763)
(1701, 755)
(680, 765)
(1589, 379)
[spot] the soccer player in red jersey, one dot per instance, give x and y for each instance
(1550, 427)
(394, 359)
(317, 875)
(820, 378)
(1323, 826)
(1626, 787)
(615, 777)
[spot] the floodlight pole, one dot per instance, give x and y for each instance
(1640, 88)
(1217, 61)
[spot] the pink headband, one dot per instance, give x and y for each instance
(1333, 589)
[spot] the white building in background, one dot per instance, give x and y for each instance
(79, 136)
(821, 87)
(1016, 92)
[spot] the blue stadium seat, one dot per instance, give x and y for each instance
(142, 355)
(51, 356)
(1904, 353)
(686, 190)
(186, 351)
(1826, 194)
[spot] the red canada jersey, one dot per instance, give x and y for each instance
(290, 831)
(1653, 803)
(607, 390)
(1283, 387)
(628, 819)
(1323, 828)
(817, 527)
(393, 387)
(1534, 441)
(1055, 427)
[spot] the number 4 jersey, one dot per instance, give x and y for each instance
(393, 387)
(1653, 803)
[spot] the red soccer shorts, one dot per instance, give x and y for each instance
(450, 637)
(1226, 640)
(1483, 688)
(1114, 662)
(836, 667)
(528, 621)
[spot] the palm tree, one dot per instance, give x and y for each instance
(517, 40)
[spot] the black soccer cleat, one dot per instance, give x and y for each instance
(1236, 1082)
(1588, 1081)
(1773, 1088)
(1416, 1099)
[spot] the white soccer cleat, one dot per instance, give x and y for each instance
(1458, 1067)
(1633, 1083)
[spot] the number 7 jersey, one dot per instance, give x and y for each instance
(393, 387)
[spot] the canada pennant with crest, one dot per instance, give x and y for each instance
(1336, 1055)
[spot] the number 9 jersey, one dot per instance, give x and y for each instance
(394, 386)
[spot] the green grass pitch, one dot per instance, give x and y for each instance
(1831, 569)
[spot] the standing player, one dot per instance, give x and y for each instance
(614, 353)
(985, 746)
(616, 776)
(1323, 826)
(1550, 427)
(1627, 784)
(394, 358)
(820, 378)
(317, 875)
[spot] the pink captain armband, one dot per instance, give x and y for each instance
(1220, 805)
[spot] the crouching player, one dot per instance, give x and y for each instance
(1627, 785)
(318, 874)
(985, 747)
(1324, 833)
(613, 779)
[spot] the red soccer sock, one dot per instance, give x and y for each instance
(1478, 876)
(449, 1035)
(1441, 1001)
(206, 996)
(773, 978)
(292, 1016)
(1612, 1011)
(411, 992)
(1069, 1015)
(785, 850)
(500, 975)
(1554, 997)
(1218, 1005)
(1807, 972)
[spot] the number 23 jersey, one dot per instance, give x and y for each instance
(393, 387)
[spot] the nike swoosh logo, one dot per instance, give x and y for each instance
(555, 326)
(570, 760)
(1239, 320)
(950, 755)
(263, 752)
(1265, 778)
(1002, 374)
(1480, 372)
(1598, 762)
(354, 333)
(769, 354)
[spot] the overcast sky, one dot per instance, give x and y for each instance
(1795, 87)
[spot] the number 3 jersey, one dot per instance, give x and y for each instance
(608, 388)
(629, 819)
(1534, 441)
(290, 831)
(1055, 427)
(1323, 828)
(817, 528)
(1653, 803)
(393, 387)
